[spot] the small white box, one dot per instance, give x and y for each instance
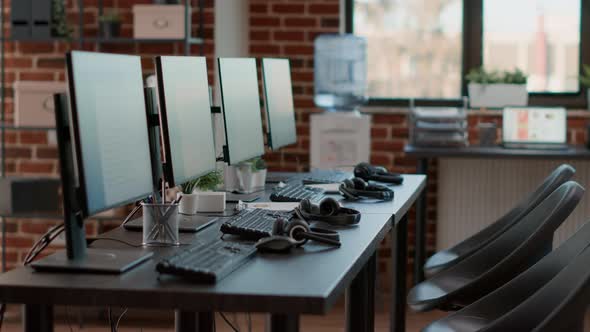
(158, 21)
(33, 103)
(211, 201)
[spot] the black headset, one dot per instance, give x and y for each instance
(357, 188)
(369, 172)
(329, 211)
(295, 233)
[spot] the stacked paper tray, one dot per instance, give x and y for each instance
(438, 126)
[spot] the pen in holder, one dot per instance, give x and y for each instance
(160, 224)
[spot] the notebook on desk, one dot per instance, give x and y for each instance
(534, 128)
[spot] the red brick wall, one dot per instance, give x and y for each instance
(34, 153)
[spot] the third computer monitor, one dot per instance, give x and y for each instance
(110, 130)
(185, 116)
(280, 112)
(238, 79)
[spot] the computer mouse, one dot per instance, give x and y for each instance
(276, 243)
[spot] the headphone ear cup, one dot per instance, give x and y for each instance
(329, 207)
(359, 184)
(296, 227)
(363, 170)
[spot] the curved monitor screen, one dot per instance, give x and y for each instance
(279, 102)
(238, 80)
(186, 117)
(112, 147)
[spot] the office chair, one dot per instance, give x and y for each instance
(446, 258)
(493, 307)
(501, 260)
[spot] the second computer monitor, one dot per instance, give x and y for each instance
(280, 112)
(185, 114)
(238, 80)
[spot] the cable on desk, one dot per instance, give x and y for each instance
(92, 240)
(229, 323)
(43, 243)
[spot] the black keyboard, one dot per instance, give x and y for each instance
(325, 177)
(297, 193)
(253, 224)
(207, 262)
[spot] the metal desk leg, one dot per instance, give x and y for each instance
(421, 217)
(284, 323)
(399, 253)
(360, 299)
(188, 321)
(38, 318)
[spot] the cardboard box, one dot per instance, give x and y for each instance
(158, 21)
(33, 103)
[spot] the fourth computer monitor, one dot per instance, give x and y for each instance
(280, 112)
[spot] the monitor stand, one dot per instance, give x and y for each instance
(103, 261)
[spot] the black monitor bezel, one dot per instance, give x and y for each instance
(81, 190)
(227, 153)
(271, 144)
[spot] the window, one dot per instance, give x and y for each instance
(414, 47)
(422, 49)
(540, 37)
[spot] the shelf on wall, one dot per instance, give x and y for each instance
(121, 40)
(13, 127)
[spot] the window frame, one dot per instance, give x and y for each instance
(472, 57)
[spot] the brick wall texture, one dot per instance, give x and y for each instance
(278, 28)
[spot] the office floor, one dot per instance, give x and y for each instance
(333, 322)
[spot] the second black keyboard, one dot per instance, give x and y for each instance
(297, 193)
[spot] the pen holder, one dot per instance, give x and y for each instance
(160, 224)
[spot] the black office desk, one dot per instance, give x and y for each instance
(423, 154)
(308, 281)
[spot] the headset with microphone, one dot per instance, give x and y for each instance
(295, 233)
(357, 188)
(369, 172)
(329, 211)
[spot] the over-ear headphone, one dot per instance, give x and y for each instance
(357, 188)
(369, 172)
(329, 211)
(295, 233)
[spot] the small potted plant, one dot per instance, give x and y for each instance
(585, 81)
(197, 194)
(495, 89)
(252, 175)
(110, 25)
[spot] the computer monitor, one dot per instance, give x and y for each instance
(238, 80)
(185, 117)
(104, 154)
(534, 125)
(280, 112)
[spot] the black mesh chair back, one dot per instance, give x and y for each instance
(501, 260)
(449, 257)
(485, 311)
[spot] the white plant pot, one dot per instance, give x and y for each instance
(250, 181)
(188, 204)
(230, 178)
(497, 95)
